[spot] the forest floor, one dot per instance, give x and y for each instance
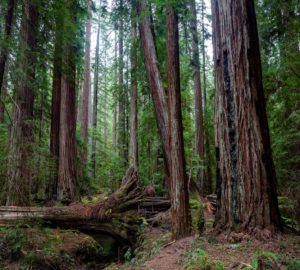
(158, 252)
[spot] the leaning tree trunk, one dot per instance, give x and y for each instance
(247, 199)
(21, 137)
(180, 211)
(199, 134)
(154, 78)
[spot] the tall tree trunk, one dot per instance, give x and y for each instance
(96, 90)
(121, 101)
(180, 211)
(67, 176)
(134, 95)
(4, 53)
(55, 109)
(84, 117)
(21, 136)
(247, 197)
(199, 134)
(115, 110)
(208, 183)
(7, 34)
(155, 81)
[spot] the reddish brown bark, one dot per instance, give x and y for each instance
(134, 95)
(199, 134)
(247, 199)
(180, 211)
(21, 136)
(84, 116)
(55, 109)
(154, 78)
(67, 175)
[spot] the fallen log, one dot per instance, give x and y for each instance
(115, 216)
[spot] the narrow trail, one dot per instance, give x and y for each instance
(169, 256)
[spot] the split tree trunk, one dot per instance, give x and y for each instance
(180, 211)
(155, 81)
(21, 137)
(247, 197)
(199, 134)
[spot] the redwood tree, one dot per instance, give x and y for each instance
(7, 34)
(21, 135)
(134, 94)
(199, 129)
(84, 116)
(246, 180)
(168, 115)
(180, 212)
(55, 107)
(63, 182)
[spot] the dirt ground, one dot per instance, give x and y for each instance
(231, 255)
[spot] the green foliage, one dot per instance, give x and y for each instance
(199, 259)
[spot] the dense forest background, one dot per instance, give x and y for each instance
(108, 113)
(116, 111)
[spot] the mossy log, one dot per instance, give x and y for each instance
(115, 216)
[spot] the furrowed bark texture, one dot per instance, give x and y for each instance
(246, 180)
(67, 188)
(55, 109)
(134, 95)
(67, 177)
(199, 135)
(21, 136)
(154, 78)
(180, 211)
